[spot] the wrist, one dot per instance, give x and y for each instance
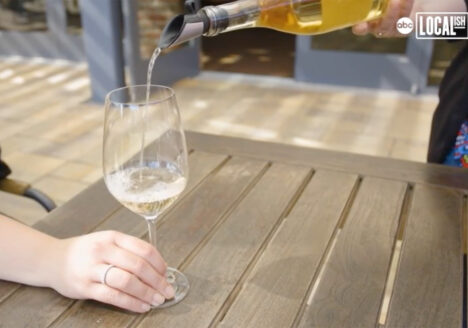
(50, 262)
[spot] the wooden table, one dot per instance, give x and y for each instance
(278, 236)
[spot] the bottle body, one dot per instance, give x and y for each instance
(307, 17)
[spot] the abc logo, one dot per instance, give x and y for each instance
(405, 25)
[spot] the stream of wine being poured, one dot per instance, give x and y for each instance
(152, 61)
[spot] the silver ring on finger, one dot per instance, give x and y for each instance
(104, 274)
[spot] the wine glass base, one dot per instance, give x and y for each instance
(181, 287)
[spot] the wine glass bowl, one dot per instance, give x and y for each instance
(145, 158)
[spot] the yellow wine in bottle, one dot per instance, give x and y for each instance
(307, 17)
(317, 16)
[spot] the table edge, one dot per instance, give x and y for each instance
(364, 165)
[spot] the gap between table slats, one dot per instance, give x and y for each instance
(275, 288)
(240, 283)
(328, 251)
(428, 289)
(393, 267)
(354, 277)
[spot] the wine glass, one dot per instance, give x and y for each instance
(145, 158)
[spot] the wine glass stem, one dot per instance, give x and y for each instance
(152, 238)
(152, 231)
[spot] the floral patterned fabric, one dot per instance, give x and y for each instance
(459, 155)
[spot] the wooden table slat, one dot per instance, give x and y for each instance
(32, 307)
(276, 288)
(219, 265)
(183, 229)
(6, 288)
(201, 164)
(389, 168)
(351, 289)
(428, 285)
(49, 303)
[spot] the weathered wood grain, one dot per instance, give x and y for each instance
(227, 233)
(351, 289)
(350, 163)
(428, 288)
(214, 272)
(6, 289)
(275, 289)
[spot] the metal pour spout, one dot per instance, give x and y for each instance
(183, 28)
(209, 21)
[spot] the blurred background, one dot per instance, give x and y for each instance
(58, 59)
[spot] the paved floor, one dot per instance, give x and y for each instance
(51, 135)
(252, 51)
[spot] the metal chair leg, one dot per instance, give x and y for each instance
(41, 198)
(24, 189)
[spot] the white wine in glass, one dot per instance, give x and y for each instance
(145, 158)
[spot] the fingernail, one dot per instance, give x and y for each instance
(158, 299)
(145, 307)
(169, 291)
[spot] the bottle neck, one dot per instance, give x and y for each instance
(232, 16)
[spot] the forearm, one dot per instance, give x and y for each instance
(26, 255)
(74, 267)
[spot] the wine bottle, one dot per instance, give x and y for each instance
(308, 17)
